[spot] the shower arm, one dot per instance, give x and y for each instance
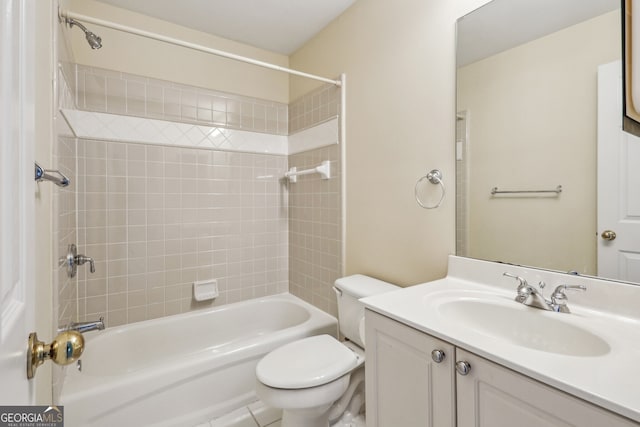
(71, 22)
(66, 15)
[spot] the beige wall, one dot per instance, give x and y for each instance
(533, 125)
(400, 65)
(138, 55)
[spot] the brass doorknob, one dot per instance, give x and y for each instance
(65, 348)
(608, 235)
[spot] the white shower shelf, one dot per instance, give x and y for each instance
(324, 169)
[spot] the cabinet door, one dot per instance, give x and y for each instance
(493, 396)
(404, 385)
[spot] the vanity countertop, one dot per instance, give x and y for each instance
(596, 362)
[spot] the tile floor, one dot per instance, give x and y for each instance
(255, 414)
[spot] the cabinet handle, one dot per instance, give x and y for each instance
(463, 367)
(438, 355)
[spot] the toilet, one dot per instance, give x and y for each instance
(319, 381)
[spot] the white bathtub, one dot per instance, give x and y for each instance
(186, 369)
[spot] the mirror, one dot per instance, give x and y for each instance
(631, 116)
(527, 127)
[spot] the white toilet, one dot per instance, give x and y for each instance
(319, 381)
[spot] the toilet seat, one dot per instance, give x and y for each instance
(305, 363)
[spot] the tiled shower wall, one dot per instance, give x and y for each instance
(315, 230)
(156, 219)
(314, 107)
(64, 209)
(315, 207)
(115, 92)
(64, 226)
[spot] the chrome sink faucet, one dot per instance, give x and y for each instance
(528, 295)
(559, 298)
(83, 327)
(531, 296)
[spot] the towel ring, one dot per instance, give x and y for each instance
(434, 177)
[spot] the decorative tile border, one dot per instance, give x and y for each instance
(114, 127)
(315, 137)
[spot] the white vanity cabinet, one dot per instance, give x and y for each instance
(493, 396)
(406, 387)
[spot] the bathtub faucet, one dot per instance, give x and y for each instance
(83, 327)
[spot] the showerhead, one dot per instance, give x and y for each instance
(94, 40)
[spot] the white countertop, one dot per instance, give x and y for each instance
(610, 379)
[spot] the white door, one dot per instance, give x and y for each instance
(618, 183)
(17, 190)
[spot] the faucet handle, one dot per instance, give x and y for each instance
(559, 297)
(521, 280)
(81, 259)
(72, 260)
(524, 290)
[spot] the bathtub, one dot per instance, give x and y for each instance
(186, 369)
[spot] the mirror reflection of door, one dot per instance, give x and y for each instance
(618, 183)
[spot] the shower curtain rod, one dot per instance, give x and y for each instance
(177, 42)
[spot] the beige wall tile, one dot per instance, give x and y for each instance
(137, 314)
(117, 301)
(163, 226)
(166, 96)
(116, 318)
(96, 305)
(314, 232)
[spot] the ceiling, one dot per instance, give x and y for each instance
(280, 26)
(503, 24)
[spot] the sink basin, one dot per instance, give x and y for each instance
(523, 326)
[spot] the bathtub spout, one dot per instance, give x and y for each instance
(83, 327)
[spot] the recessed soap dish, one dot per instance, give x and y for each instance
(205, 290)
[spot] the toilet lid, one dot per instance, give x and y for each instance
(308, 362)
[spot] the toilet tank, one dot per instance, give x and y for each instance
(349, 290)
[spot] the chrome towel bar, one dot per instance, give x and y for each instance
(495, 190)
